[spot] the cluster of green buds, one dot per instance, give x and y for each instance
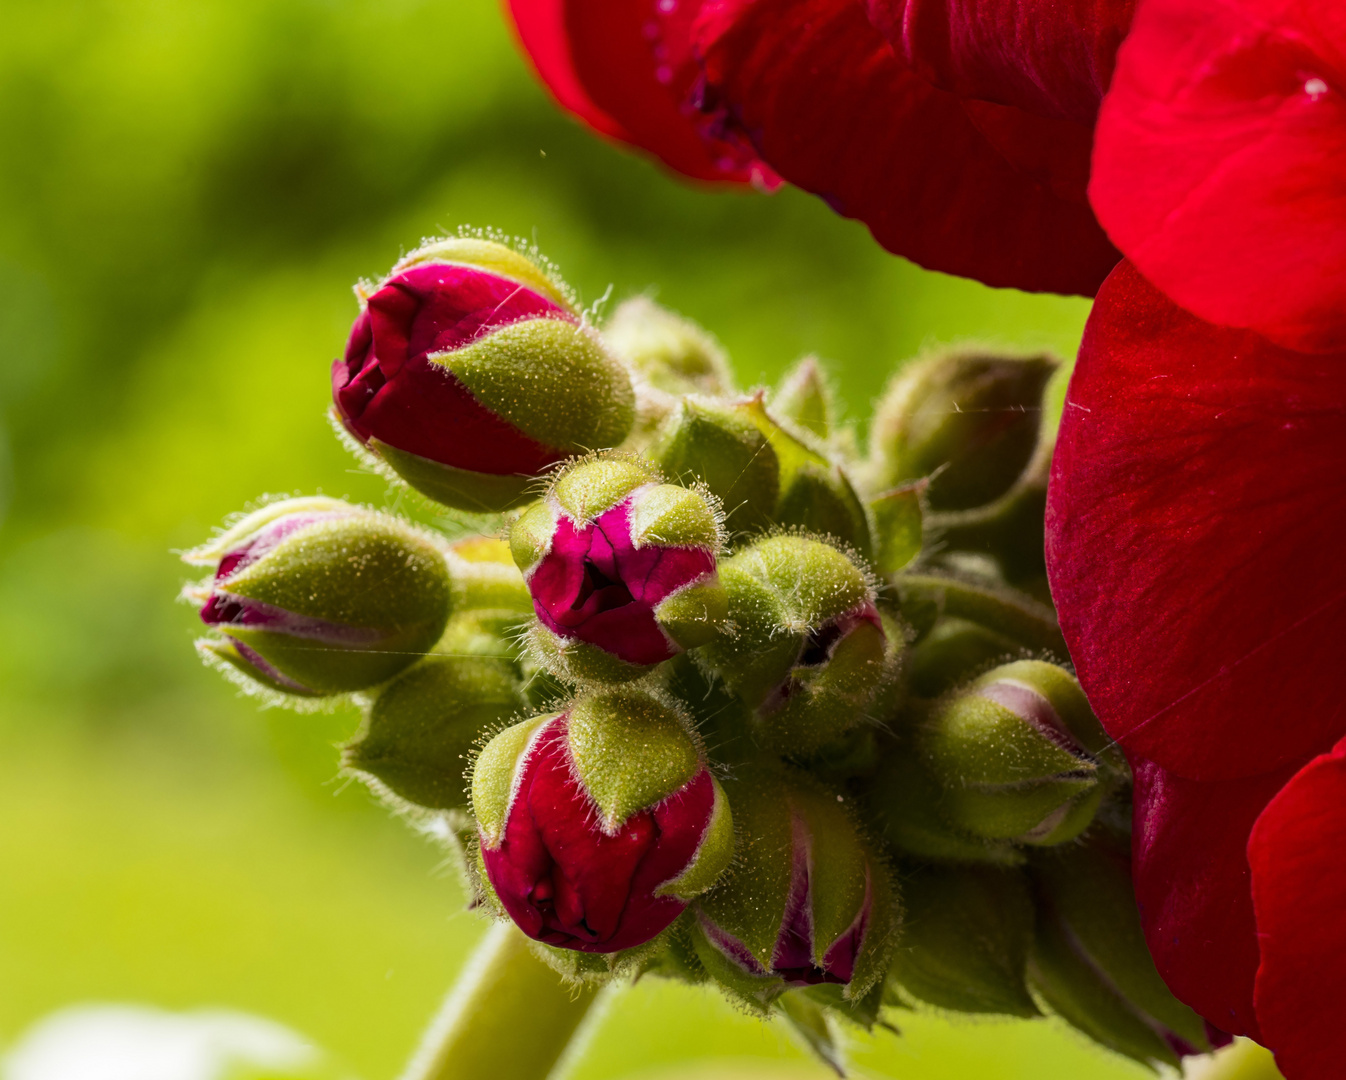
(697, 688)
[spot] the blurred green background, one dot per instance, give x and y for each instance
(188, 188)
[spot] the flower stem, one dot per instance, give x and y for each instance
(1244, 1060)
(508, 1017)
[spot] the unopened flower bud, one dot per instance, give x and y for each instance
(599, 825)
(965, 939)
(315, 596)
(469, 373)
(1090, 962)
(621, 568)
(808, 901)
(805, 399)
(487, 586)
(1017, 753)
(810, 652)
(905, 801)
(420, 729)
(717, 444)
(669, 352)
(969, 421)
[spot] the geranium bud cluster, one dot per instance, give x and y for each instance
(708, 694)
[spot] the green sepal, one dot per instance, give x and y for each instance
(713, 854)
(419, 732)
(1069, 985)
(530, 535)
(668, 351)
(969, 421)
(805, 399)
(211, 552)
(1086, 888)
(221, 653)
(631, 750)
(815, 493)
(811, 1023)
(899, 527)
(966, 939)
(494, 258)
(495, 774)
(572, 660)
(750, 902)
(714, 443)
(459, 488)
(672, 516)
(906, 802)
(551, 379)
(694, 615)
(593, 485)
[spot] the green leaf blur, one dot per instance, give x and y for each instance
(188, 189)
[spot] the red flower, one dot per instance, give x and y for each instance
(1194, 530)
(1220, 152)
(958, 153)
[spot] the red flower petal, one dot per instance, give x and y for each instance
(1220, 151)
(822, 96)
(1299, 890)
(1050, 57)
(1194, 537)
(623, 67)
(1190, 865)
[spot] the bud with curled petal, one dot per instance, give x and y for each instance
(1090, 962)
(314, 596)
(810, 651)
(598, 825)
(621, 568)
(808, 901)
(1019, 755)
(469, 373)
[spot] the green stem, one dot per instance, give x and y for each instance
(508, 1017)
(1244, 1060)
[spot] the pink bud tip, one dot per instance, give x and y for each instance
(566, 882)
(386, 387)
(594, 585)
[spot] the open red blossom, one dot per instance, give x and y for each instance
(1193, 541)
(972, 188)
(976, 165)
(1220, 151)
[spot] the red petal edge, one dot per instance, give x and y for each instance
(821, 95)
(1299, 890)
(1219, 155)
(1193, 887)
(1194, 525)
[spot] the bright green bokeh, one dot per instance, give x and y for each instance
(188, 188)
